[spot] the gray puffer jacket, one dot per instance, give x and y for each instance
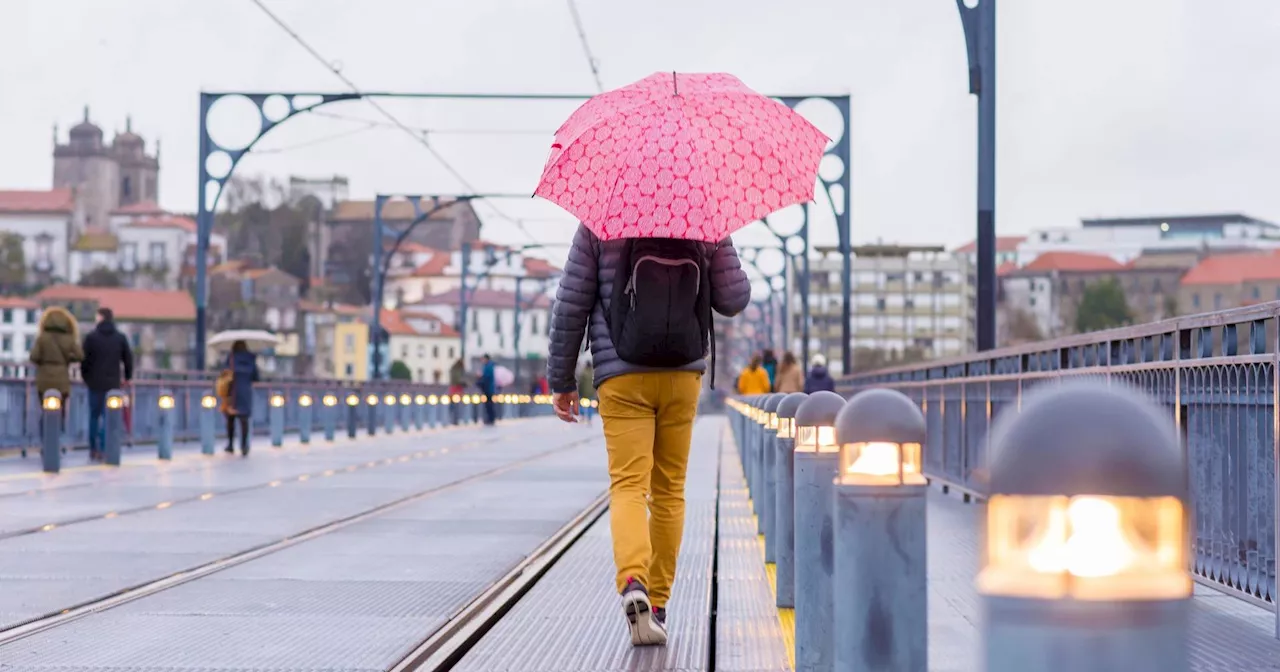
(586, 290)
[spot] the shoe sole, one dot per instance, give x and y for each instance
(644, 628)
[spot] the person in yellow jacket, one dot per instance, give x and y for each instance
(754, 379)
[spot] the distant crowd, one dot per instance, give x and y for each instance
(764, 375)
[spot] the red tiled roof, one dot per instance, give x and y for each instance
(129, 305)
(51, 201)
(1233, 269)
(1006, 268)
(483, 298)
(140, 208)
(1003, 244)
(167, 222)
(397, 324)
(539, 268)
(1073, 261)
(18, 302)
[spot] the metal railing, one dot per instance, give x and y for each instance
(1216, 374)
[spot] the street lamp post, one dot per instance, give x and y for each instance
(979, 23)
(1086, 536)
(881, 605)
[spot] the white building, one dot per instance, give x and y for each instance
(490, 327)
(45, 220)
(19, 324)
(425, 343)
(417, 271)
(1125, 239)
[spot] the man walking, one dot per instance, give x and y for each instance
(645, 306)
(106, 353)
(488, 384)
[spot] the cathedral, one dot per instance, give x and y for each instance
(105, 177)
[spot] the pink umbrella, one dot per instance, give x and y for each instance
(695, 156)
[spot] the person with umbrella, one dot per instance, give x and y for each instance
(488, 384)
(237, 397)
(660, 173)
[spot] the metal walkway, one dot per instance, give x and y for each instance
(471, 549)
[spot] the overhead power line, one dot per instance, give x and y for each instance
(417, 137)
(586, 46)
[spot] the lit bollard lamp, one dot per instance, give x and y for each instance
(389, 413)
(879, 579)
(51, 431)
(353, 414)
(817, 458)
(164, 445)
(330, 402)
(208, 414)
(275, 417)
(768, 449)
(113, 433)
(468, 411)
(419, 412)
(1087, 536)
(433, 410)
(304, 417)
(406, 412)
(371, 402)
(784, 517)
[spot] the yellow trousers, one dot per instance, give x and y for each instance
(648, 424)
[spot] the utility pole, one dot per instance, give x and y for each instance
(979, 23)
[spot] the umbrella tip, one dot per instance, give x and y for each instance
(675, 84)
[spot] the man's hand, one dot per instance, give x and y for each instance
(566, 405)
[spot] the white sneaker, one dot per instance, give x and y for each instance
(645, 628)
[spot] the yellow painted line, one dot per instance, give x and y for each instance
(786, 617)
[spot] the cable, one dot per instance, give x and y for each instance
(317, 141)
(417, 137)
(434, 131)
(586, 47)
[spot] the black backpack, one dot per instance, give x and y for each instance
(661, 310)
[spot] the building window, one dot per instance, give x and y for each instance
(497, 322)
(1257, 292)
(909, 304)
(31, 316)
(1195, 300)
(44, 250)
(435, 375)
(126, 188)
(349, 344)
(533, 326)
(880, 305)
(351, 372)
(435, 351)
(157, 254)
(422, 350)
(28, 341)
(404, 352)
(8, 316)
(7, 345)
(419, 378)
(451, 355)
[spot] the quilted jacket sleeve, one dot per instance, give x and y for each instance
(730, 288)
(575, 298)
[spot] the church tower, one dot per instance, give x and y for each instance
(139, 173)
(105, 177)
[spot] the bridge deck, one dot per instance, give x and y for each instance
(348, 556)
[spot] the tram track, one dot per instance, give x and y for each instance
(68, 614)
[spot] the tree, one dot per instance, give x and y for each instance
(101, 277)
(400, 371)
(13, 263)
(1021, 327)
(1102, 306)
(259, 220)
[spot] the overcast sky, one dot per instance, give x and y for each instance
(1106, 107)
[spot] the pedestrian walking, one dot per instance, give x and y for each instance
(790, 377)
(770, 365)
(457, 385)
(754, 379)
(660, 173)
(819, 379)
(56, 348)
(107, 365)
(487, 382)
(238, 404)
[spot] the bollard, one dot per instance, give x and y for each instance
(1086, 563)
(389, 413)
(784, 501)
(353, 414)
(468, 414)
(879, 577)
(816, 458)
(433, 411)
(164, 445)
(406, 411)
(419, 412)
(113, 431)
(769, 447)
(371, 401)
(304, 417)
(330, 412)
(208, 432)
(51, 431)
(275, 416)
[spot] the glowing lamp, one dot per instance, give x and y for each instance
(166, 401)
(457, 399)
(880, 433)
(353, 400)
(815, 422)
(52, 401)
(466, 399)
(208, 401)
(420, 400)
(1088, 500)
(330, 400)
(277, 400)
(770, 411)
(390, 400)
(787, 414)
(405, 400)
(433, 400)
(372, 400)
(115, 402)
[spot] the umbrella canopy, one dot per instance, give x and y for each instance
(690, 156)
(256, 339)
(502, 376)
